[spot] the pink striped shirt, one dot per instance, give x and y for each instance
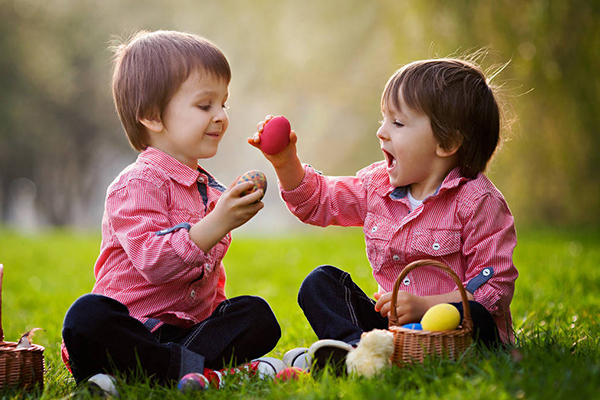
(467, 225)
(147, 260)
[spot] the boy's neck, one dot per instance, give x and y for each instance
(429, 187)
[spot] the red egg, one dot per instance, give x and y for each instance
(275, 135)
(289, 373)
(258, 178)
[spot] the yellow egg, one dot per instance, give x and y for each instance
(441, 317)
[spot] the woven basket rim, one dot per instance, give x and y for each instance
(454, 332)
(7, 346)
(467, 323)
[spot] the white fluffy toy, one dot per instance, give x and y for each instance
(372, 354)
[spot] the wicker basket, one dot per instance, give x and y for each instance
(22, 368)
(413, 345)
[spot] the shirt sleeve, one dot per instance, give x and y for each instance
(324, 200)
(489, 242)
(136, 213)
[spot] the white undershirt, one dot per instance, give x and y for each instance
(414, 203)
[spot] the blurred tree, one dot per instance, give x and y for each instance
(55, 95)
(323, 64)
(549, 171)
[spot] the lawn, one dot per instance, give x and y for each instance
(556, 312)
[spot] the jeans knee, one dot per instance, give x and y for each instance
(317, 279)
(87, 312)
(265, 317)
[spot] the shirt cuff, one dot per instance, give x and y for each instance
(187, 250)
(306, 188)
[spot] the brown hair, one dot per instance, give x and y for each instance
(459, 102)
(150, 67)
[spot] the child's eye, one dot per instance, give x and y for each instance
(225, 107)
(398, 123)
(205, 107)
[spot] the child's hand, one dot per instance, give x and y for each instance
(280, 159)
(409, 308)
(230, 212)
(233, 210)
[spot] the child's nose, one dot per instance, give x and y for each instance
(381, 133)
(220, 116)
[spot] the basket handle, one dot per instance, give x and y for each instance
(467, 320)
(1, 276)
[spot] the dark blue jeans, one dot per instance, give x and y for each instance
(101, 337)
(337, 308)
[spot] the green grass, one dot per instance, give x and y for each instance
(556, 312)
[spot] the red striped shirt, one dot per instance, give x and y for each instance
(467, 225)
(163, 276)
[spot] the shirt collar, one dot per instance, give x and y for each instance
(452, 180)
(173, 168)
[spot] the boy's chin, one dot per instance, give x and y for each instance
(208, 154)
(394, 181)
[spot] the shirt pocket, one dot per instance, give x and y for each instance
(178, 215)
(378, 235)
(435, 242)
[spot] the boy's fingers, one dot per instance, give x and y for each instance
(260, 126)
(252, 142)
(232, 184)
(254, 197)
(237, 189)
(255, 139)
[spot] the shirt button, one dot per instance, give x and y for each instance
(436, 246)
(374, 229)
(396, 257)
(193, 294)
(406, 281)
(201, 179)
(486, 272)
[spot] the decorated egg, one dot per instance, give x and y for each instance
(275, 135)
(192, 382)
(441, 317)
(414, 326)
(289, 373)
(258, 178)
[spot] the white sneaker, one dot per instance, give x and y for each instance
(268, 367)
(330, 352)
(104, 385)
(298, 358)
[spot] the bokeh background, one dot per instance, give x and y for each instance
(321, 63)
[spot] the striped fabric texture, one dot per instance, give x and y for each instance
(467, 225)
(147, 260)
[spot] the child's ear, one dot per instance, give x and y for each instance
(152, 124)
(450, 150)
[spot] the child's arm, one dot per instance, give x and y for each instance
(312, 197)
(231, 212)
(137, 216)
(411, 308)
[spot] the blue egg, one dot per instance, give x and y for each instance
(414, 326)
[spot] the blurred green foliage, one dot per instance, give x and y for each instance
(321, 63)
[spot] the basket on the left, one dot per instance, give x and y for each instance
(19, 368)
